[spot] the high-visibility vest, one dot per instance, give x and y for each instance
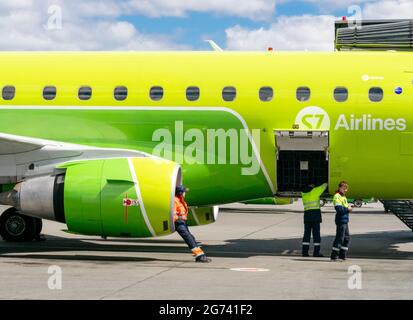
(311, 200)
(339, 200)
(181, 209)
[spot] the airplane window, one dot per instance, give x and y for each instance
(303, 94)
(8, 92)
(121, 93)
(340, 94)
(85, 93)
(156, 93)
(266, 94)
(229, 94)
(192, 93)
(49, 92)
(376, 94)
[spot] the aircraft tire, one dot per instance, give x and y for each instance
(358, 203)
(15, 227)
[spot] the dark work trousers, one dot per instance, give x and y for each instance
(342, 240)
(182, 228)
(314, 228)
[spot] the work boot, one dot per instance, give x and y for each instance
(317, 253)
(203, 258)
(334, 255)
(342, 255)
(305, 251)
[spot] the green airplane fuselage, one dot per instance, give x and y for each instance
(370, 143)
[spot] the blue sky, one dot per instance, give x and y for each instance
(182, 24)
(193, 29)
(196, 27)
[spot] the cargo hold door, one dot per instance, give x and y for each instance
(302, 159)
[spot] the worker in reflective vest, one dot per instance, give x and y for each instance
(312, 218)
(342, 239)
(180, 219)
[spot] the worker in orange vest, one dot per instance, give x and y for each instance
(180, 219)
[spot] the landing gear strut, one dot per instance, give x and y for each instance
(17, 227)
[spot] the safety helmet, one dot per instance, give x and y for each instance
(179, 190)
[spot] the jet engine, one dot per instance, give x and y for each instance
(124, 197)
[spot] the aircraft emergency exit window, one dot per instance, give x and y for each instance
(156, 93)
(85, 93)
(340, 94)
(376, 94)
(303, 94)
(49, 92)
(8, 92)
(229, 94)
(121, 93)
(266, 94)
(192, 93)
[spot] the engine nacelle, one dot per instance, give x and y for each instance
(125, 197)
(200, 216)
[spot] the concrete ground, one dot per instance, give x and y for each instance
(264, 239)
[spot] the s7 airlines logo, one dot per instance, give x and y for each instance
(315, 118)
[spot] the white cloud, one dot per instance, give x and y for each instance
(7, 4)
(389, 9)
(252, 9)
(328, 5)
(86, 25)
(313, 33)
(287, 33)
(372, 9)
(99, 24)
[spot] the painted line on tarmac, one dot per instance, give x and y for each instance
(250, 269)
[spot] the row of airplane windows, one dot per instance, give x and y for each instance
(156, 93)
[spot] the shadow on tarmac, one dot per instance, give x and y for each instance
(277, 210)
(376, 245)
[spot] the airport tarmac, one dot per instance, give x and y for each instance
(264, 240)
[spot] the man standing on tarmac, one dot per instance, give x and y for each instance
(340, 245)
(180, 218)
(312, 218)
